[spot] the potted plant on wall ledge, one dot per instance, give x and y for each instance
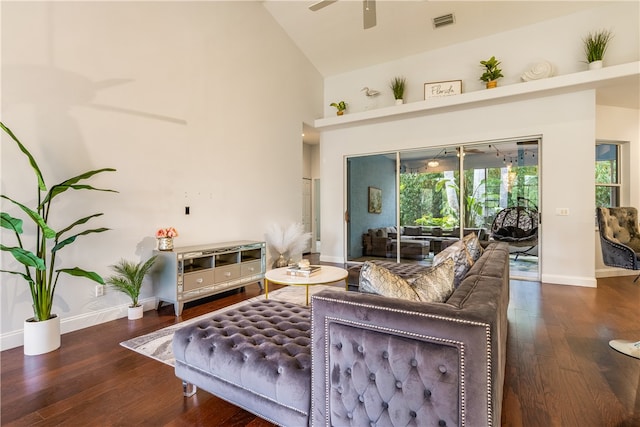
(397, 86)
(491, 72)
(38, 259)
(340, 106)
(595, 45)
(128, 280)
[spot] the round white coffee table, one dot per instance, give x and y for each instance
(327, 274)
(630, 348)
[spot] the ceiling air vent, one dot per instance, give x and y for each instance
(443, 20)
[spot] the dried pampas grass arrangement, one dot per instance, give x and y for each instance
(288, 242)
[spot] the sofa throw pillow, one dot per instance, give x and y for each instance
(375, 279)
(462, 261)
(473, 246)
(433, 285)
(436, 283)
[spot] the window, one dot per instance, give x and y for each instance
(608, 184)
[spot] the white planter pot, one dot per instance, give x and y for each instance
(134, 313)
(399, 101)
(595, 65)
(41, 337)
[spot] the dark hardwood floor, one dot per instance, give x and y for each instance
(560, 369)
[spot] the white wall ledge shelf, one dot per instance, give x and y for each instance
(624, 76)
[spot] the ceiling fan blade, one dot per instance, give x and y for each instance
(321, 4)
(369, 13)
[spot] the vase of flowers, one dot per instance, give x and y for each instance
(165, 238)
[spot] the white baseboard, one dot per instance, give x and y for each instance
(74, 323)
(588, 282)
(332, 259)
(615, 272)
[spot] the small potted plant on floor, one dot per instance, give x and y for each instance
(595, 45)
(340, 106)
(491, 72)
(128, 280)
(397, 86)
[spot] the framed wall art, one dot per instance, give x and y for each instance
(375, 200)
(442, 89)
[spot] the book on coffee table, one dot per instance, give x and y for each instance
(303, 271)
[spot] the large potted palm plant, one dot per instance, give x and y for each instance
(36, 251)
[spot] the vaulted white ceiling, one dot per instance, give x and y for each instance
(335, 42)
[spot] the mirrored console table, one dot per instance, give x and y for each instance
(193, 272)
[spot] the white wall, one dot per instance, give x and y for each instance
(194, 103)
(566, 123)
(558, 41)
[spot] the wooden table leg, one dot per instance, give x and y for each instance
(266, 288)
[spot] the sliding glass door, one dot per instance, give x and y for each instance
(372, 199)
(431, 197)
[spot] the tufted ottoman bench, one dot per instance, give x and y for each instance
(256, 356)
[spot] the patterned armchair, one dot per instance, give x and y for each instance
(620, 237)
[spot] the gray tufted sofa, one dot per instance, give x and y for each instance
(374, 360)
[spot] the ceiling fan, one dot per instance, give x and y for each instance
(368, 11)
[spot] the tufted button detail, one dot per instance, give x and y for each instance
(427, 394)
(442, 423)
(348, 372)
(413, 414)
(414, 362)
(340, 389)
(280, 369)
(339, 346)
(385, 354)
(398, 384)
(360, 349)
(385, 405)
(442, 369)
(361, 398)
(349, 415)
(372, 377)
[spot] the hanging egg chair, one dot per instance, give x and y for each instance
(517, 226)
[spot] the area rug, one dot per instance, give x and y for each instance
(157, 345)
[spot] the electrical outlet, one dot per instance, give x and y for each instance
(562, 211)
(100, 290)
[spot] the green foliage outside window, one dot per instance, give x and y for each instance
(606, 195)
(423, 197)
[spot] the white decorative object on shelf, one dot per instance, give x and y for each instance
(541, 70)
